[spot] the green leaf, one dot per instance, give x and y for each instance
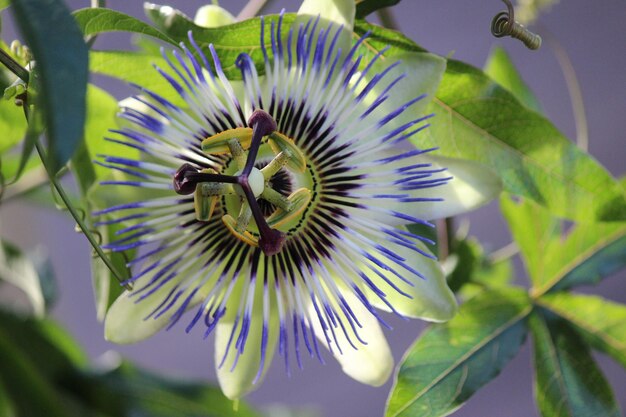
(479, 120)
(101, 116)
(451, 361)
(129, 391)
(30, 393)
(229, 40)
(12, 124)
(34, 130)
(365, 7)
(171, 21)
(7, 408)
(600, 321)
(93, 21)
(134, 67)
(61, 54)
(589, 252)
(568, 383)
(500, 67)
(32, 274)
(4, 4)
(36, 355)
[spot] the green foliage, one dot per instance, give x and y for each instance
(44, 373)
(568, 383)
(99, 20)
(61, 54)
(480, 120)
(587, 254)
(600, 321)
(451, 361)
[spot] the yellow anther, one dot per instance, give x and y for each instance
(246, 237)
(218, 144)
(298, 202)
(281, 143)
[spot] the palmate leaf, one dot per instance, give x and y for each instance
(451, 361)
(589, 253)
(479, 120)
(61, 54)
(568, 383)
(600, 321)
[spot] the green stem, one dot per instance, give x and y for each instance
(14, 66)
(81, 223)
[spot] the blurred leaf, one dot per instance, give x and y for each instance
(479, 120)
(365, 7)
(500, 67)
(600, 321)
(568, 382)
(30, 392)
(31, 274)
(92, 21)
(466, 254)
(12, 124)
(7, 409)
(61, 54)
(134, 67)
(587, 254)
(451, 361)
(46, 345)
(4, 4)
(101, 116)
(36, 355)
(34, 130)
(127, 391)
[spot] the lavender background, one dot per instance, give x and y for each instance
(593, 35)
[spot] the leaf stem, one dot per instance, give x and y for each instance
(573, 88)
(14, 66)
(79, 220)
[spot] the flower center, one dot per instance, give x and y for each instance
(248, 185)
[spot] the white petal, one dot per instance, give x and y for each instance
(370, 364)
(430, 298)
(422, 73)
(340, 12)
(472, 186)
(242, 379)
(126, 321)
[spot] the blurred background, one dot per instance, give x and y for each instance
(593, 35)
